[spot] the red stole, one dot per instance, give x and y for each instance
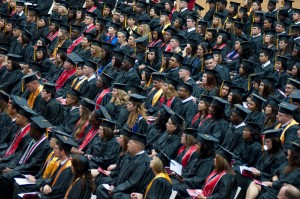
(153, 43)
(14, 145)
(52, 36)
(91, 134)
(211, 182)
(92, 26)
(100, 98)
(92, 9)
(74, 44)
(221, 47)
(168, 48)
(187, 155)
(169, 102)
(195, 118)
(81, 134)
(64, 77)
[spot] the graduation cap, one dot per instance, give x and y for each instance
(14, 57)
(294, 82)
(180, 38)
(234, 4)
(206, 98)
(64, 27)
(158, 76)
(202, 23)
(27, 34)
(41, 48)
(63, 3)
(153, 49)
(295, 146)
(165, 12)
(177, 119)
(77, 28)
(241, 110)
(125, 33)
(91, 64)
(135, 35)
(20, 3)
(108, 123)
(192, 15)
(296, 10)
(257, 24)
(19, 100)
(188, 87)
(139, 137)
(25, 110)
(287, 108)
(239, 25)
(257, 99)
(198, 7)
(270, 18)
(73, 58)
(62, 50)
(267, 51)
(49, 87)
(273, 101)
(171, 30)
(207, 139)
(129, 59)
(89, 104)
(55, 21)
(173, 82)
(243, 9)
(208, 56)
(63, 140)
(219, 102)
(115, 25)
(236, 89)
(295, 28)
(282, 23)
(273, 1)
(226, 35)
(214, 31)
(187, 67)
(29, 78)
(142, 4)
(3, 51)
(101, 20)
(142, 40)
(125, 132)
(102, 113)
(225, 153)
(273, 133)
(284, 37)
(120, 86)
(45, 41)
(136, 98)
(270, 32)
(74, 93)
(44, 17)
(166, 160)
(295, 97)
(106, 78)
(218, 15)
(39, 122)
(89, 36)
(91, 14)
(245, 45)
(191, 131)
(4, 96)
(166, 111)
(178, 57)
(136, 89)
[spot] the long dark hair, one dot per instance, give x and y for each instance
(206, 151)
(294, 162)
(219, 112)
(81, 170)
(276, 146)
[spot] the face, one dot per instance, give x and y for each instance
(267, 38)
(279, 28)
(120, 38)
(85, 42)
(263, 58)
(268, 110)
(229, 97)
(182, 93)
(296, 16)
(219, 39)
(225, 91)
(103, 53)
(44, 94)
(289, 89)
(69, 100)
(173, 43)
(99, 82)
(246, 134)
(170, 127)
(88, 20)
(173, 63)
(39, 54)
(204, 79)
(278, 66)
(182, 73)
(251, 105)
(78, 14)
(100, 132)
(89, 3)
(167, 37)
(41, 23)
(20, 119)
(261, 88)
(282, 45)
(200, 51)
(130, 106)
(255, 6)
(190, 23)
(154, 35)
(228, 25)
(268, 144)
(267, 24)
(31, 86)
(210, 64)
(294, 71)
(16, 32)
(79, 71)
(8, 27)
(183, 138)
(52, 142)
(211, 110)
(298, 132)
(151, 56)
(52, 27)
(215, 21)
(132, 147)
(255, 30)
(201, 105)
(281, 118)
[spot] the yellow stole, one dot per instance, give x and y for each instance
(77, 85)
(66, 165)
(156, 96)
(287, 126)
(69, 189)
(53, 167)
(48, 165)
(33, 96)
(160, 175)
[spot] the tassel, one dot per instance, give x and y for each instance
(249, 83)
(221, 88)
(291, 101)
(104, 7)
(149, 82)
(26, 10)
(202, 64)
(34, 54)
(146, 53)
(125, 21)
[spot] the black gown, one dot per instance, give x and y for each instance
(169, 144)
(187, 110)
(80, 189)
(54, 112)
(70, 119)
(10, 79)
(160, 189)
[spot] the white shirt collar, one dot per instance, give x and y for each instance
(264, 65)
(22, 129)
(191, 29)
(63, 162)
(20, 14)
(91, 77)
(140, 153)
(81, 77)
(284, 125)
(240, 125)
(74, 107)
(254, 36)
(183, 9)
(296, 38)
(298, 22)
(187, 99)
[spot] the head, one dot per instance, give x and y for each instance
(134, 147)
(156, 165)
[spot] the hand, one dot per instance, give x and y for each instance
(136, 196)
(89, 156)
(141, 67)
(268, 183)
(31, 179)
(47, 189)
(111, 167)
(111, 188)
(153, 153)
(255, 171)
(201, 196)
(94, 172)
(7, 170)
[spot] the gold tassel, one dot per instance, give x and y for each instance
(202, 64)
(249, 83)
(291, 101)
(125, 21)
(34, 54)
(47, 132)
(221, 88)
(146, 53)
(103, 7)
(149, 82)
(26, 10)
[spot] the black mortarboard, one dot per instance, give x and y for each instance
(253, 126)
(287, 108)
(166, 111)
(106, 78)
(257, 24)
(238, 90)
(178, 57)
(187, 67)
(62, 50)
(63, 3)
(268, 51)
(294, 82)
(171, 81)
(139, 137)
(141, 4)
(167, 54)
(234, 4)
(114, 25)
(125, 132)
(273, 101)
(158, 76)
(153, 49)
(44, 17)
(166, 160)
(142, 40)
(187, 86)
(20, 3)
(177, 119)
(25, 111)
(136, 98)
(191, 131)
(74, 92)
(19, 100)
(14, 57)
(273, 1)
(27, 34)
(193, 15)
(241, 110)
(149, 69)
(294, 96)
(91, 64)
(202, 23)
(245, 45)
(29, 78)
(198, 7)
(4, 96)
(64, 27)
(49, 87)
(55, 21)
(39, 122)
(206, 98)
(225, 153)
(136, 89)
(108, 123)
(101, 20)
(273, 133)
(165, 12)
(226, 35)
(296, 10)
(91, 14)
(214, 31)
(120, 86)
(257, 99)
(102, 113)
(243, 9)
(270, 18)
(73, 58)
(270, 32)
(66, 142)
(207, 139)
(295, 28)
(220, 102)
(208, 56)
(129, 59)
(135, 35)
(3, 51)
(41, 48)
(239, 25)
(295, 146)
(218, 15)
(89, 104)
(171, 30)
(125, 33)
(284, 37)
(282, 23)
(89, 36)
(178, 37)
(76, 27)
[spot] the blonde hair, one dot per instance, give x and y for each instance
(146, 30)
(172, 92)
(190, 140)
(120, 99)
(219, 24)
(64, 11)
(97, 51)
(158, 165)
(83, 120)
(133, 115)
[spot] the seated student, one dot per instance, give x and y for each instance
(187, 153)
(287, 174)
(105, 149)
(194, 176)
(82, 185)
(32, 158)
(255, 105)
(202, 115)
(134, 174)
(103, 95)
(169, 141)
(221, 183)
(56, 184)
(161, 185)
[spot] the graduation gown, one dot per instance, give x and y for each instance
(169, 144)
(104, 153)
(39, 103)
(79, 191)
(70, 119)
(7, 135)
(89, 89)
(10, 79)
(54, 112)
(267, 70)
(113, 110)
(130, 77)
(187, 110)
(250, 153)
(173, 73)
(161, 188)
(83, 54)
(256, 117)
(234, 139)
(15, 46)
(46, 66)
(152, 134)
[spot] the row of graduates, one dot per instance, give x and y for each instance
(131, 172)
